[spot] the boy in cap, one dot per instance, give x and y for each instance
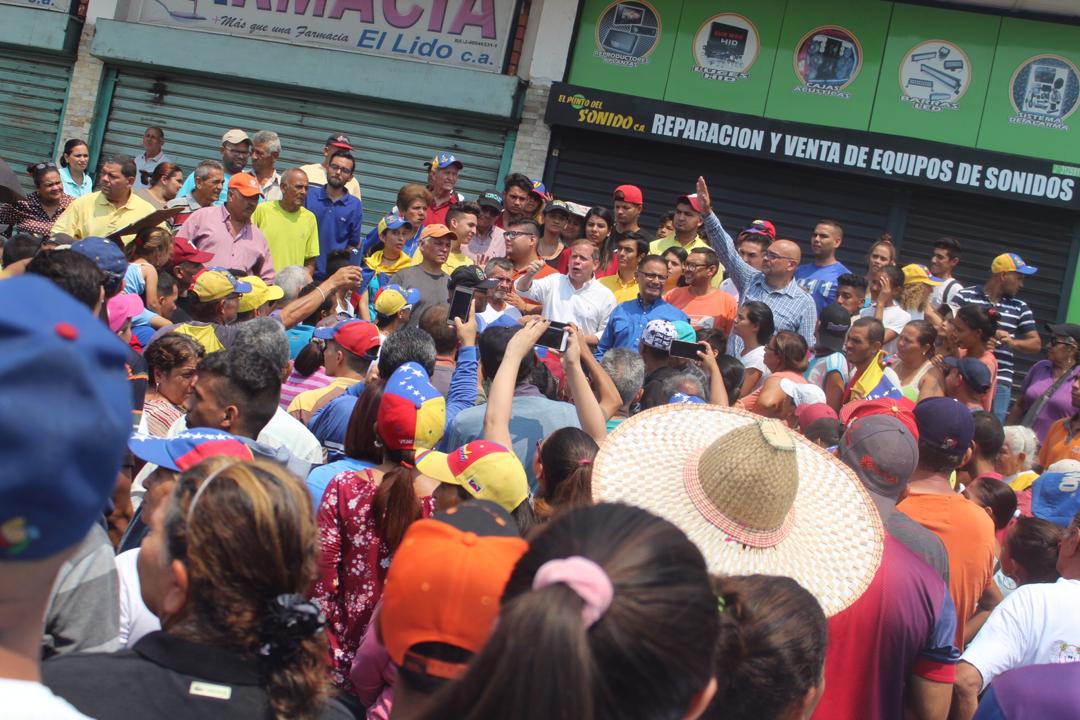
(55, 355)
(348, 349)
(1017, 330)
(627, 203)
(216, 296)
(946, 430)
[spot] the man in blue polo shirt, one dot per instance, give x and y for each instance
(818, 277)
(235, 151)
(339, 214)
(628, 319)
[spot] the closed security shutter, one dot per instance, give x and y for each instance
(391, 142)
(32, 91)
(588, 166)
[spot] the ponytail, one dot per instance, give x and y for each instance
(308, 360)
(566, 456)
(396, 505)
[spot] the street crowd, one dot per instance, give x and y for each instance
(512, 456)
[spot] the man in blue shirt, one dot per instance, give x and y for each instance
(628, 319)
(235, 151)
(773, 285)
(338, 213)
(819, 277)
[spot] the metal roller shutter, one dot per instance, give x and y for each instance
(587, 167)
(32, 92)
(392, 142)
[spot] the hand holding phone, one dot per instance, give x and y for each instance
(683, 349)
(459, 305)
(554, 337)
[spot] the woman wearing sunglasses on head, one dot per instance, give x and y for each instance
(40, 209)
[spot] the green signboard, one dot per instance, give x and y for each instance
(1034, 93)
(827, 63)
(625, 46)
(724, 54)
(935, 73)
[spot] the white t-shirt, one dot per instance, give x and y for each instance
(895, 319)
(490, 314)
(728, 286)
(1035, 625)
(755, 360)
(24, 700)
(136, 619)
(588, 307)
(945, 292)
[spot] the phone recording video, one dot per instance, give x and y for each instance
(688, 350)
(554, 337)
(459, 305)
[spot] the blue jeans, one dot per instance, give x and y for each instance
(1000, 404)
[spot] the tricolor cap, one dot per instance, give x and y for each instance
(358, 337)
(630, 194)
(539, 190)
(235, 137)
(487, 471)
(443, 160)
(445, 585)
(217, 284)
(107, 255)
(339, 140)
(1011, 262)
(900, 408)
(1054, 494)
(393, 221)
(392, 299)
(915, 273)
(245, 184)
(658, 334)
(412, 414)
(760, 227)
(187, 449)
(66, 416)
(259, 295)
(122, 308)
(691, 200)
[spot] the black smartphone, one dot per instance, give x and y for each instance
(554, 337)
(683, 349)
(459, 305)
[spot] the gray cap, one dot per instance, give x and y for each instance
(883, 453)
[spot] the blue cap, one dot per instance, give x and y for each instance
(66, 415)
(1055, 496)
(684, 399)
(187, 449)
(107, 255)
(685, 331)
(944, 423)
(442, 160)
(393, 221)
(973, 371)
(504, 320)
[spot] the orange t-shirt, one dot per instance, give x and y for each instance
(1059, 444)
(715, 309)
(968, 535)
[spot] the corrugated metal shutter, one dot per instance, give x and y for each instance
(392, 142)
(590, 165)
(32, 91)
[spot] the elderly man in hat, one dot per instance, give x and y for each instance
(235, 152)
(228, 233)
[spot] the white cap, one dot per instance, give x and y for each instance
(802, 394)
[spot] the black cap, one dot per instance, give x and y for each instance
(340, 140)
(471, 276)
(834, 322)
(490, 198)
(1066, 329)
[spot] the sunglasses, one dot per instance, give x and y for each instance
(38, 167)
(1062, 341)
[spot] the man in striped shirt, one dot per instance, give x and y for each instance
(1016, 323)
(793, 309)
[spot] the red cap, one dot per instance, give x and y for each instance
(630, 193)
(902, 409)
(184, 251)
(356, 336)
(690, 200)
(245, 184)
(760, 227)
(811, 412)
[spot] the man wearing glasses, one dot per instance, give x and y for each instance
(235, 151)
(488, 242)
(773, 285)
(339, 214)
(629, 319)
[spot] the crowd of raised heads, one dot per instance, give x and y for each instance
(514, 455)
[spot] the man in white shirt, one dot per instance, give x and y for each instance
(1036, 624)
(151, 156)
(575, 297)
(942, 264)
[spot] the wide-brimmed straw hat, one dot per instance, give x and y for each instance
(753, 496)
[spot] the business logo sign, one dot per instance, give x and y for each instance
(827, 60)
(463, 33)
(627, 33)
(1045, 91)
(934, 75)
(726, 47)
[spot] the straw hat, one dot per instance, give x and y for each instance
(754, 497)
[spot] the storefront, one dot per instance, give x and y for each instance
(795, 113)
(37, 45)
(224, 72)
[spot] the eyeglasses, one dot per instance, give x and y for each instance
(340, 170)
(653, 276)
(1062, 341)
(694, 266)
(770, 255)
(512, 234)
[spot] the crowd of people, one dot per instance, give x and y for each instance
(514, 456)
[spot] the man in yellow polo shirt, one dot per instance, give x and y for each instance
(114, 206)
(291, 230)
(630, 250)
(350, 348)
(687, 227)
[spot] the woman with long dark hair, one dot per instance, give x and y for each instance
(754, 324)
(972, 329)
(73, 163)
(599, 223)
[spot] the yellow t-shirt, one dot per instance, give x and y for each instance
(93, 215)
(622, 291)
(293, 237)
(306, 400)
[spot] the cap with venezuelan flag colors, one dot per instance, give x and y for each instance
(412, 414)
(486, 470)
(1011, 262)
(187, 449)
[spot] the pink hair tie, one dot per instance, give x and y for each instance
(587, 579)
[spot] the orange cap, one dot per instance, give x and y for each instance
(245, 184)
(445, 584)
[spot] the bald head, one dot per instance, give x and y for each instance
(294, 189)
(781, 259)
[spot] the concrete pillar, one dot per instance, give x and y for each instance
(83, 92)
(543, 61)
